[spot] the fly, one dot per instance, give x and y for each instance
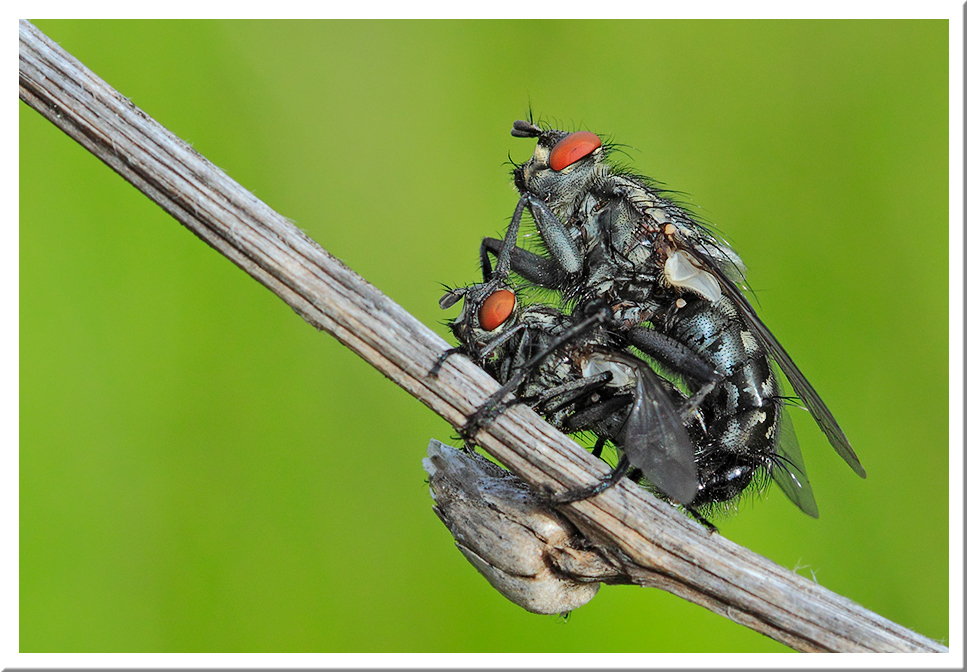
(571, 371)
(674, 291)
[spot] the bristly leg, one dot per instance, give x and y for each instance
(586, 492)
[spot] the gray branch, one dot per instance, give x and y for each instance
(633, 536)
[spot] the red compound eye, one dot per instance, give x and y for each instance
(573, 147)
(496, 309)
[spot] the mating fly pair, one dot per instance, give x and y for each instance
(637, 274)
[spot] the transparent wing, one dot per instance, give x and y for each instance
(810, 398)
(654, 437)
(789, 470)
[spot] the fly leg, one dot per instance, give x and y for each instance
(492, 407)
(432, 373)
(679, 357)
(501, 271)
(477, 355)
(495, 404)
(579, 494)
(636, 475)
(565, 255)
(601, 411)
(672, 353)
(701, 519)
(556, 398)
(532, 267)
(558, 240)
(586, 419)
(598, 446)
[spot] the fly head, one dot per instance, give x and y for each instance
(563, 167)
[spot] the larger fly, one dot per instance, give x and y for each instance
(674, 291)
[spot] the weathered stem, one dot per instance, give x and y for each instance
(652, 542)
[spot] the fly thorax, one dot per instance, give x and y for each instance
(640, 254)
(621, 228)
(659, 216)
(631, 315)
(556, 370)
(600, 280)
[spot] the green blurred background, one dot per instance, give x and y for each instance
(202, 471)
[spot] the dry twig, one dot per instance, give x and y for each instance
(644, 540)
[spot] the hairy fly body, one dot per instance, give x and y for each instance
(574, 372)
(674, 292)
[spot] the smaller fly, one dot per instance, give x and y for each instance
(574, 373)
